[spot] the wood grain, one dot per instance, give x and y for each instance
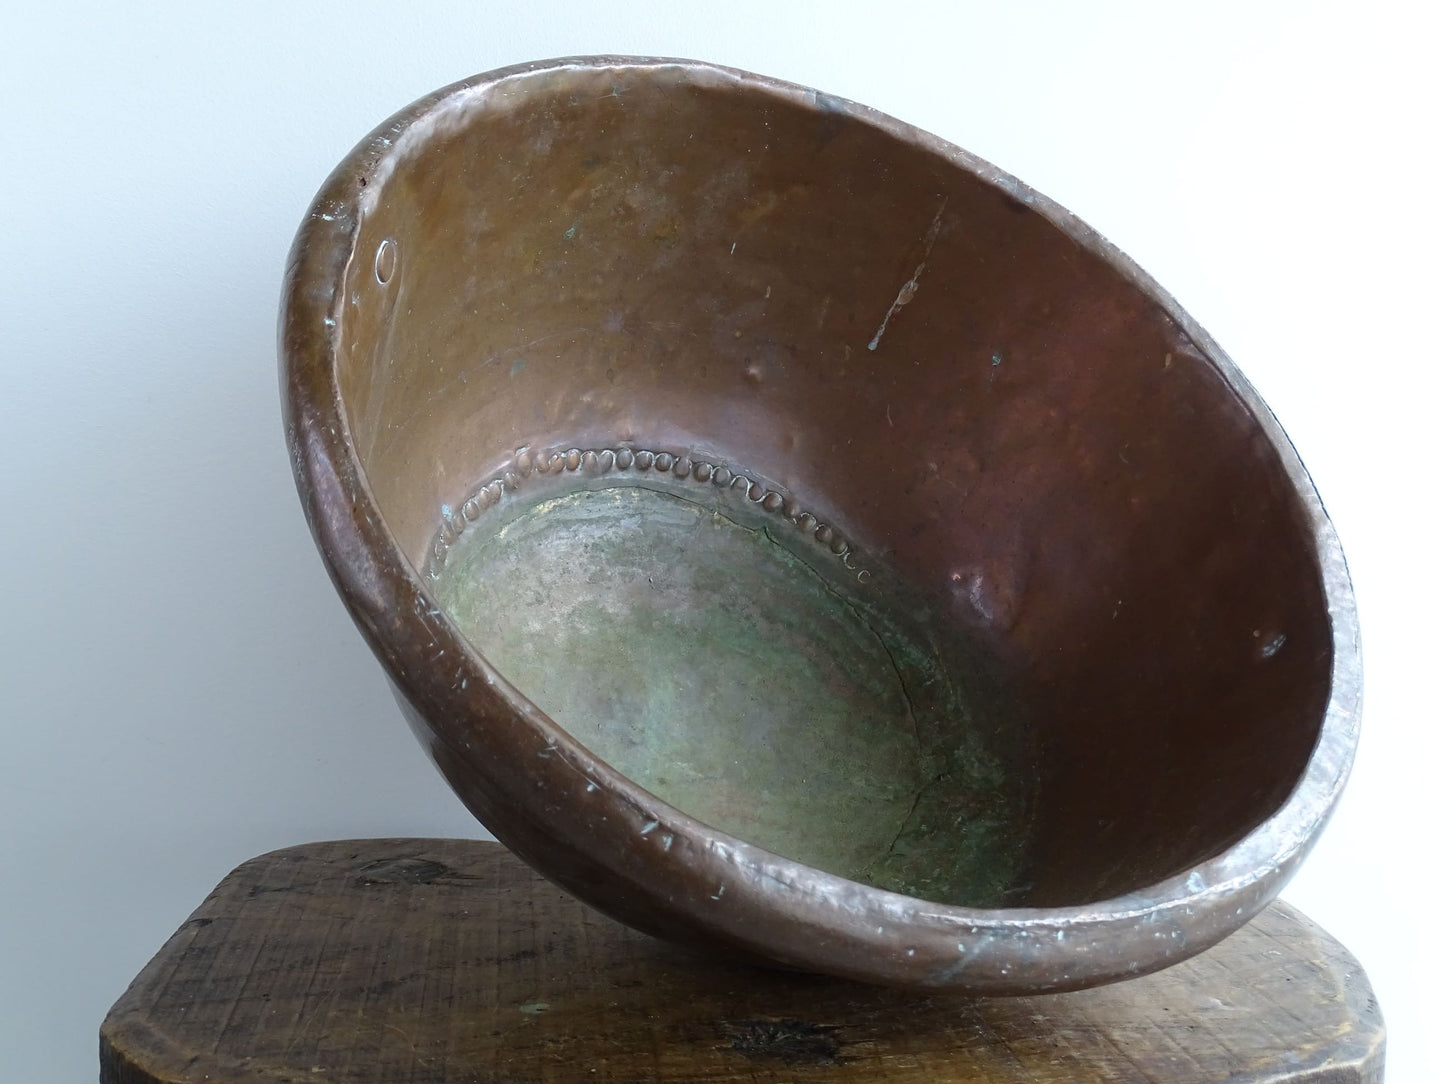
(420, 961)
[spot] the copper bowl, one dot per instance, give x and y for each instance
(796, 537)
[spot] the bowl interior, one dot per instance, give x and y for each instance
(827, 489)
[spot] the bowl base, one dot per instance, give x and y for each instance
(712, 662)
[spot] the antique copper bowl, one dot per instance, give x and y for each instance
(796, 537)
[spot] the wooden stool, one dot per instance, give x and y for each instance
(423, 961)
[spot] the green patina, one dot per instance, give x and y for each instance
(719, 669)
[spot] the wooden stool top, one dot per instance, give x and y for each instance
(424, 961)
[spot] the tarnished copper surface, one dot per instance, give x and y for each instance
(938, 394)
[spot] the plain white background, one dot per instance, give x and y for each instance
(181, 688)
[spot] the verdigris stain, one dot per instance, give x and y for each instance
(709, 662)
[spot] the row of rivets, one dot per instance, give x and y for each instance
(605, 460)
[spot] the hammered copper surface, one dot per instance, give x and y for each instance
(905, 363)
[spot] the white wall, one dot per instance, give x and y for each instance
(181, 689)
